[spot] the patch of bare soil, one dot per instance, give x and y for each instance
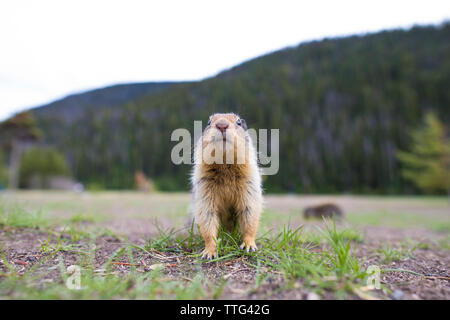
(422, 273)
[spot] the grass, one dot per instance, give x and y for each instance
(405, 250)
(389, 254)
(80, 218)
(445, 243)
(18, 217)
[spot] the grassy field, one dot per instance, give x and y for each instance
(141, 246)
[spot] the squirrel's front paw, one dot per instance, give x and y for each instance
(209, 253)
(249, 245)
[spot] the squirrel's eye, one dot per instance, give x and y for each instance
(239, 122)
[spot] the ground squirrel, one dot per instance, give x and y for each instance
(327, 210)
(226, 182)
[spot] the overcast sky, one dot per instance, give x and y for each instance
(49, 49)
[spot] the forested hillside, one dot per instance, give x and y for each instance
(74, 106)
(344, 108)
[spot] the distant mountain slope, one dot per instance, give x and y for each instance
(74, 106)
(344, 108)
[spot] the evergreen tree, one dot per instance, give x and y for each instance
(427, 164)
(16, 134)
(3, 171)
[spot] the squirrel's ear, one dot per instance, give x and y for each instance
(244, 124)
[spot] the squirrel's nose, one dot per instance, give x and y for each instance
(222, 126)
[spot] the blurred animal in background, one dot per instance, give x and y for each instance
(142, 183)
(327, 210)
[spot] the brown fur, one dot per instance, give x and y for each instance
(223, 193)
(327, 210)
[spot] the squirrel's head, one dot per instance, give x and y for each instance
(223, 127)
(226, 132)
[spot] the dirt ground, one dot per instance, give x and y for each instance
(136, 216)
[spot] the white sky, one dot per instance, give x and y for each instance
(49, 49)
